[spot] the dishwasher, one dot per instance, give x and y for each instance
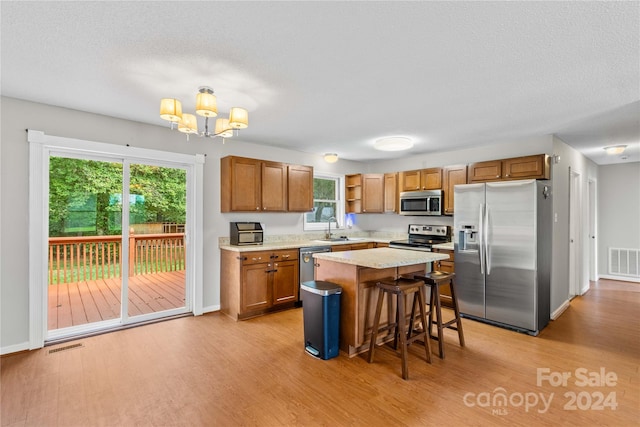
(307, 265)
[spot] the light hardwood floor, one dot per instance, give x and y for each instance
(210, 370)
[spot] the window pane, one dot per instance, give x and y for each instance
(324, 189)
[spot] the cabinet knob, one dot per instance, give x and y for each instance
(507, 175)
(284, 256)
(497, 176)
(258, 208)
(256, 259)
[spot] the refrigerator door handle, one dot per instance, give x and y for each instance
(481, 238)
(487, 256)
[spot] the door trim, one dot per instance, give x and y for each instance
(40, 148)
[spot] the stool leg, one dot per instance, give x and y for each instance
(436, 297)
(402, 335)
(454, 300)
(427, 344)
(412, 317)
(376, 325)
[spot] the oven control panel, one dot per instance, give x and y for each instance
(429, 230)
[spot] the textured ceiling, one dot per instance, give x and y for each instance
(334, 76)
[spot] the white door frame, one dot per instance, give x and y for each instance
(592, 194)
(575, 225)
(40, 148)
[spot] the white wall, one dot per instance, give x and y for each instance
(570, 159)
(618, 210)
(19, 115)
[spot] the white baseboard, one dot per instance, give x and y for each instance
(14, 348)
(623, 278)
(210, 308)
(560, 310)
(584, 290)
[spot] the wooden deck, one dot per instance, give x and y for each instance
(79, 303)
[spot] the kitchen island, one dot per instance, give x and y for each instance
(356, 272)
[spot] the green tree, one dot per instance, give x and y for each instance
(85, 196)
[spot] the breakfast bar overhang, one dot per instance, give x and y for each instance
(356, 272)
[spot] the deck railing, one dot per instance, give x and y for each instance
(74, 259)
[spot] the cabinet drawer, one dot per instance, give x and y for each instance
(249, 258)
(285, 255)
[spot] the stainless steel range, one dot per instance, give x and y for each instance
(423, 237)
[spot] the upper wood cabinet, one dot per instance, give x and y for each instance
(423, 179)
(274, 187)
(353, 191)
(260, 185)
(390, 192)
(300, 188)
(452, 176)
(373, 193)
(527, 167)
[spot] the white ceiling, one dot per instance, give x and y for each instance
(334, 76)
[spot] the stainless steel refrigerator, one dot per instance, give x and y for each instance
(503, 252)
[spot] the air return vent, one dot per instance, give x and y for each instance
(624, 262)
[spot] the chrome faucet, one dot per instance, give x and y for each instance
(328, 234)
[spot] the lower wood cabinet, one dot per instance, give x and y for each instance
(352, 247)
(254, 283)
(448, 266)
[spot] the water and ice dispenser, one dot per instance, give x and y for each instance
(467, 238)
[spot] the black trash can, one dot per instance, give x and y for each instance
(321, 313)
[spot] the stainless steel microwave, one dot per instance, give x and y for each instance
(421, 202)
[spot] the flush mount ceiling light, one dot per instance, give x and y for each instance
(615, 149)
(207, 107)
(330, 157)
(393, 143)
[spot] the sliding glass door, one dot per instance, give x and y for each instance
(116, 243)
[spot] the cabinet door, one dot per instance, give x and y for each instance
(340, 248)
(241, 184)
(529, 167)
(452, 175)
(300, 188)
(485, 171)
(285, 282)
(431, 179)
(390, 192)
(274, 187)
(410, 181)
(255, 293)
(373, 193)
(358, 246)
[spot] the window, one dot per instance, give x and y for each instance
(328, 196)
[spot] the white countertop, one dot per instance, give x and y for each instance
(381, 257)
(269, 246)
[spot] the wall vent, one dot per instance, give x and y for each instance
(64, 348)
(624, 262)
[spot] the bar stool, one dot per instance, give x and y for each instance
(434, 280)
(401, 288)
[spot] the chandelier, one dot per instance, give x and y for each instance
(207, 107)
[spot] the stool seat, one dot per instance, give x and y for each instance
(434, 280)
(402, 287)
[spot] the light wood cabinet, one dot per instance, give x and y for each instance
(273, 187)
(353, 193)
(423, 179)
(250, 185)
(254, 283)
(390, 192)
(300, 188)
(352, 247)
(527, 167)
(452, 176)
(373, 193)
